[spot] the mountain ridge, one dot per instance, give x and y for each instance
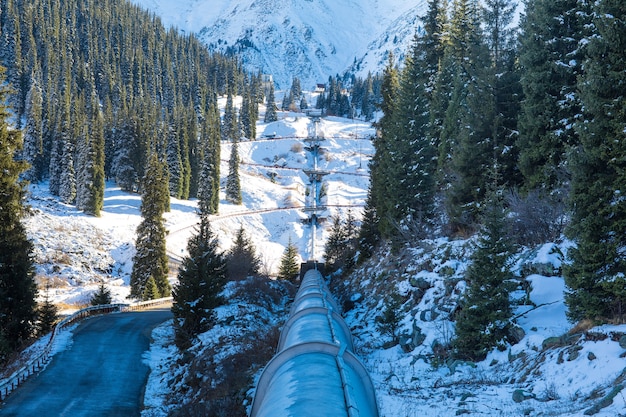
(308, 39)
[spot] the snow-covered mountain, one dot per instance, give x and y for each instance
(310, 39)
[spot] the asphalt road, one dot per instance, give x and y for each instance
(100, 375)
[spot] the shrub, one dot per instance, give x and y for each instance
(535, 218)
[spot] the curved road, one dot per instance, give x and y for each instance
(100, 375)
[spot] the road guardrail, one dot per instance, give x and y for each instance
(36, 363)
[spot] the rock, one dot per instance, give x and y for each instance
(591, 356)
(515, 334)
(519, 395)
(429, 315)
(552, 342)
(622, 342)
(573, 354)
(410, 340)
(420, 283)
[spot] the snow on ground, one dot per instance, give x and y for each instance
(74, 252)
(529, 378)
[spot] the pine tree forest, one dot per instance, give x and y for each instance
(98, 84)
(540, 104)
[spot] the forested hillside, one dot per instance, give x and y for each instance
(517, 134)
(100, 85)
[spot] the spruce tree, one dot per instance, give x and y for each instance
(432, 48)
(189, 133)
(245, 114)
(233, 185)
(369, 234)
(413, 156)
(67, 145)
(381, 164)
(242, 260)
(33, 152)
(341, 246)
(333, 249)
(289, 267)
(102, 296)
(551, 60)
(151, 260)
(209, 178)
(174, 159)
(48, 314)
(201, 278)
(151, 291)
(17, 286)
(90, 184)
(595, 278)
(229, 120)
(270, 112)
(96, 185)
(505, 87)
(468, 127)
(484, 320)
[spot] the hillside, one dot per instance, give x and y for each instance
(548, 372)
(74, 250)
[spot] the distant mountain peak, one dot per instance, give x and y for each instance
(310, 39)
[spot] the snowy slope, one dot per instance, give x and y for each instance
(74, 252)
(310, 39)
(566, 377)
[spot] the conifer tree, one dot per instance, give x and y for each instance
(242, 260)
(369, 234)
(102, 296)
(209, 179)
(233, 185)
(33, 152)
(381, 163)
(17, 286)
(229, 121)
(124, 147)
(289, 268)
(341, 246)
(90, 184)
(551, 59)
(245, 114)
(367, 103)
(303, 103)
(67, 146)
(483, 323)
(270, 112)
(96, 182)
(67, 183)
(595, 278)
(151, 291)
(333, 249)
(505, 88)
(174, 159)
(413, 162)
(320, 102)
(48, 313)
(288, 102)
(189, 133)
(468, 127)
(150, 260)
(201, 279)
(296, 88)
